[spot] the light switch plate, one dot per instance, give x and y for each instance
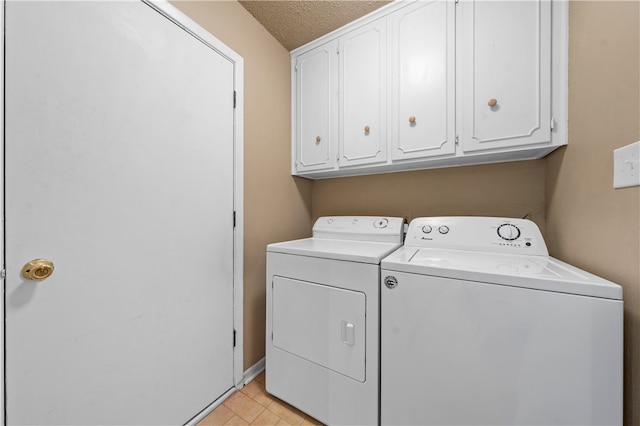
(626, 166)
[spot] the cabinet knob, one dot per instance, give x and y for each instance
(367, 128)
(492, 102)
(412, 119)
(318, 139)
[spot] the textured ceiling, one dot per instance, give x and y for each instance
(297, 22)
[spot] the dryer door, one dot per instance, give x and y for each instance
(322, 324)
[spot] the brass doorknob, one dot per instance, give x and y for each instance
(367, 128)
(38, 269)
(412, 119)
(492, 102)
(318, 139)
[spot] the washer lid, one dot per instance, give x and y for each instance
(349, 250)
(534, 272)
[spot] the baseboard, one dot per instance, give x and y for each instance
(253, 371)
(204, 413)
(250, 374)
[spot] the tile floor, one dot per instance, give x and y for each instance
(252, 405)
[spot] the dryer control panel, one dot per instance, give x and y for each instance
(361, 228)
(487, 234)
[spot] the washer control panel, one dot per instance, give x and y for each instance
(361, 228)
(493, 234)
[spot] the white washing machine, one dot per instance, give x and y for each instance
(322, 340)
(480, 326)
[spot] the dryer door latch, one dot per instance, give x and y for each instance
(348, 333)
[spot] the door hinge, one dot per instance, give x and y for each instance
(234, 338)
(553, 123)
(234, 99)
(234, 218)
(457, 140)
(3, 274)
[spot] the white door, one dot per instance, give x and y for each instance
(316, 108)
(321, 324)
(363, 96)
(423, 76)
(504, 74)
(119, 169)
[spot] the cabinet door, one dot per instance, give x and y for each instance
(316, 83)
(423, 80)
(504, 74)
(363, 80)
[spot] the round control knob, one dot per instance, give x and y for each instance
(427, 229)
(508, 232)
(443, 229)
(381, 223)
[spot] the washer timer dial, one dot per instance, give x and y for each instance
(508, 232)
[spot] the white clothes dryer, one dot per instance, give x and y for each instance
(480, 326)
(322, 349)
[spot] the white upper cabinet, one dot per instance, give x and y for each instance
(315, 79)
(504, 76)
(426, 84)
(363, 95)
(422, 80)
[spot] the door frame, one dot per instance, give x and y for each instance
(187, 24)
